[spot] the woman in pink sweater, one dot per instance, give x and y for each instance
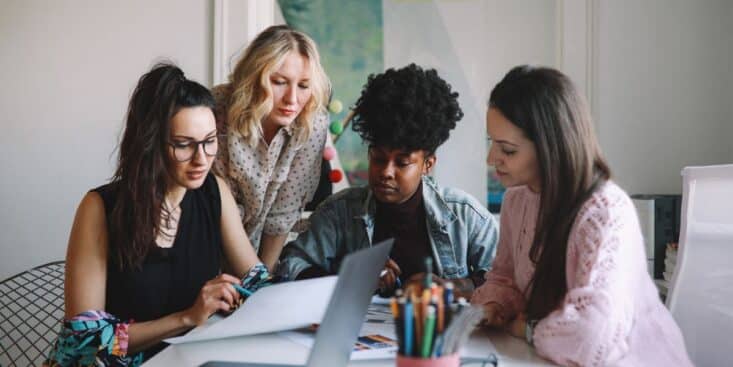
(570, 274)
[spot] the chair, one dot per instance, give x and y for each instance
(31, 310)
(701, 298)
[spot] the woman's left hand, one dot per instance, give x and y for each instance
(517, 327)
(419, 279)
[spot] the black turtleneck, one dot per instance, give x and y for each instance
(406, 223)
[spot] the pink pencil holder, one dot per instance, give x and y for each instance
(453, 360)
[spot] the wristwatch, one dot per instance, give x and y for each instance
(529, 331)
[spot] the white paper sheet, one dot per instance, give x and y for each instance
(284, 306)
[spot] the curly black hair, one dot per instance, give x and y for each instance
(408, 108)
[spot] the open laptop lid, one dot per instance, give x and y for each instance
(357, 281)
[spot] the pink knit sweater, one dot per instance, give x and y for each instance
(611, 314)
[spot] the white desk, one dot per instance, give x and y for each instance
(274, 348)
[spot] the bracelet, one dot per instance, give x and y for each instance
(529, 331)
(257, 277)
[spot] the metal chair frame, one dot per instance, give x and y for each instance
(31, 311)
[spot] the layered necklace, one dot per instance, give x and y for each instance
(169, 217)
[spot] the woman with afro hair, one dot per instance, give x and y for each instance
(403, 115)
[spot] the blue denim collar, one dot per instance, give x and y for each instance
(437, 212)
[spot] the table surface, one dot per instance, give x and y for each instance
(276, 348)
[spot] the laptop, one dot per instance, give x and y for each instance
(357, 280)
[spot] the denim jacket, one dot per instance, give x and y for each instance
(463, 234)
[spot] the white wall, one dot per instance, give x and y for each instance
(484, 40)
(729, 122)
(664, 89)
(659, 77)
(68, 69)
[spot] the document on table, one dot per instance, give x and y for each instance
(377, 338)
(283, 306)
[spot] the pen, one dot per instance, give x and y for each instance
(393, 307)
(438, 345)
(448, 293)
(425, 302)
(440, 308)
(448, 300)
(242, 290)
(428, 333)
(418, 318)
(428, 272)
(398, 309)
(408, 328)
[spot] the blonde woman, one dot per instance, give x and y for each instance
(273, 114)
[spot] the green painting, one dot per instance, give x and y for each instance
(350, 40)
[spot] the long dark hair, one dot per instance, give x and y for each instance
(142, 174)
(552, 114)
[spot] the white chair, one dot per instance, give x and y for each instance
(701, 298)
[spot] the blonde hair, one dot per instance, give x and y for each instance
(250, 93)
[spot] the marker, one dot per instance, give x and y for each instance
(393, 306)
(428, 272)
(408, 329)
(242, 290)
(448, 293)
(399, 323)
(448, 299)
(438, 345)
(428, 334)
(425, 301)
(438, 302)
(417, 319)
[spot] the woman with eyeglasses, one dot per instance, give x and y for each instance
(272, 112)
(146, 250)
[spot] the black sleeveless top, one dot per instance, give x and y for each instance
(170, 278)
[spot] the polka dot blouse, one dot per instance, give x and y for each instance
(271, 183)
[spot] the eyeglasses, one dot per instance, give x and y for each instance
(185, 150)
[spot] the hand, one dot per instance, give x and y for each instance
(493, 316)
(217, 294)
(518, 326)
(419, 278)
(388, 277)
(417, 281)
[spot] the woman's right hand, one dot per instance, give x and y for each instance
(217, 294)
(493, 315)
